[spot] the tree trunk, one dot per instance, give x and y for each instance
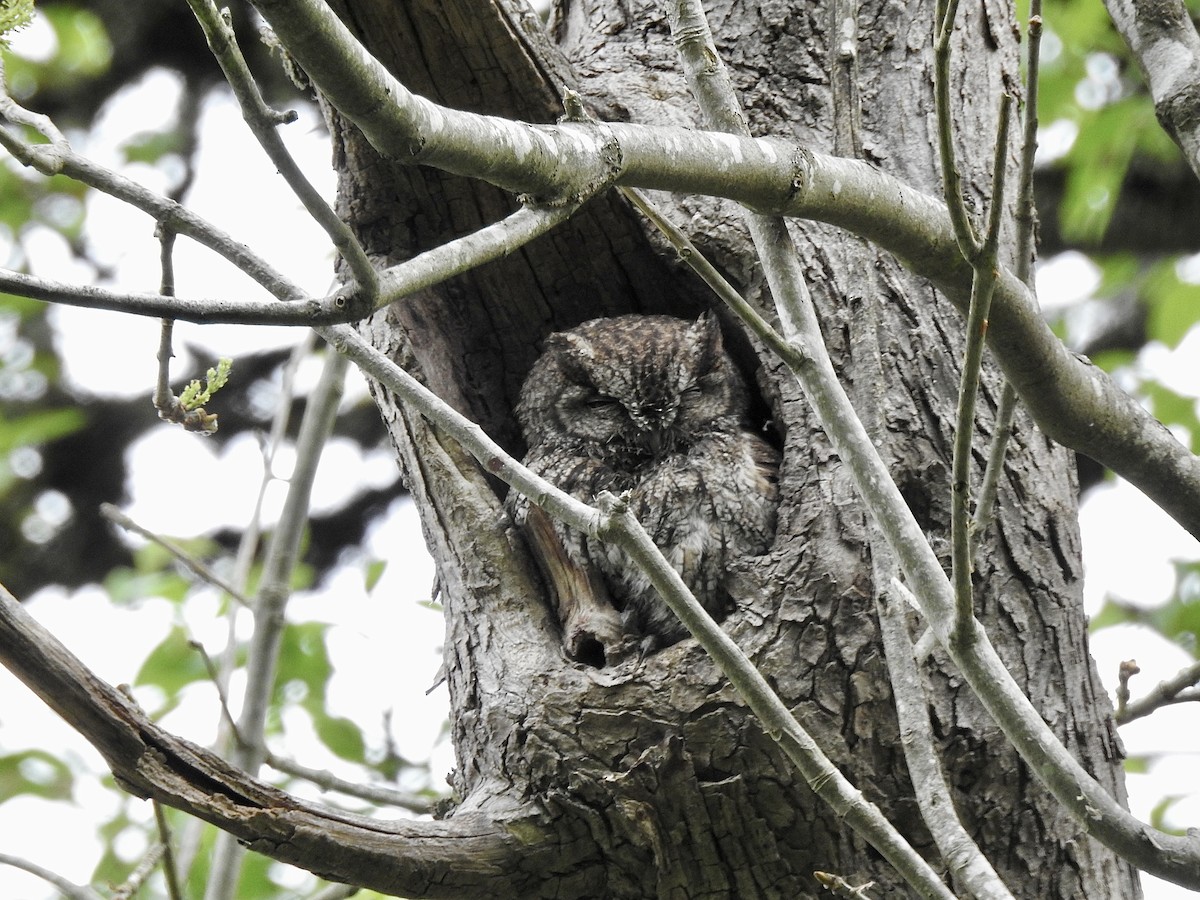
(656, 780)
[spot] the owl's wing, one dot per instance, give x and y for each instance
(592, 629)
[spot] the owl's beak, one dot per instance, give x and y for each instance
(658, 439)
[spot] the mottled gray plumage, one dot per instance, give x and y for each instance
(652, 406)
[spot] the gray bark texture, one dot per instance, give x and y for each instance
(656, 781)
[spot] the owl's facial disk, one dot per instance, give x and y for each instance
(644, 386)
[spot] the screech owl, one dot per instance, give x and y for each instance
(652, 407)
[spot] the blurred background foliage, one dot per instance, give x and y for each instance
(1113, 192)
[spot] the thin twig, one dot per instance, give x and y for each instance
(489, 243)
(959, 851)
(165, 400)
(373, 793)
(708, 272)
(964, 230)
(1026, 215)
(989, 486)
(263, 122)
(1125, 672)
(271, 602)
(170, 408)
(222, 697)
(197, 568)
(143, 870)
(306, 312)
(1173, 690)
(983, 286)
(164, 397)
(1026, 219)
(58, 158)
(170, 871)
(424, 270)
(68, 889)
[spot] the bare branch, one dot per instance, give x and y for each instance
(330, 310)
(983, 287)
(965, 639)
(57, 157)
(197, 568)
(965, 234)
(137, 878)
(170, 869)
(489, 243)
(430, 859)
(1072, 402)
(960, 852)
(271, 603)
(327, 781)
(1165, 693)
(68, 889)
(985, 507)
(1026, 216)
(973, 651)
(263, 122)
(1164, 41)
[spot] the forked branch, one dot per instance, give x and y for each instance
(1073, 402)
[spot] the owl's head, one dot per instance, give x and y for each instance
(641, 385)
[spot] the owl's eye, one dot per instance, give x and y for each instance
(601, 402)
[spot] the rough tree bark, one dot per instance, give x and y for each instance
(657, 781)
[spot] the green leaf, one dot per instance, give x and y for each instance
(1158, 814)
(128, 586)
(194, 396)
(83, 45)
(151, 146)
(1137, 765)
(375, 570)
(173, 664)
(34, 772)
(339, 734)
(39, 427)
(1113, 612)
(304, 658)
(1097, 164)
(1172, 408)
(1174, 305)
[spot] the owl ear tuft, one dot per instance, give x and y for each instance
(705, 337)
(577, 351)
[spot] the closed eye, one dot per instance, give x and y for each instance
(601, 401)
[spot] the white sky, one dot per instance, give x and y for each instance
(386, 638)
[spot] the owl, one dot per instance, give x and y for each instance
(651, 408)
